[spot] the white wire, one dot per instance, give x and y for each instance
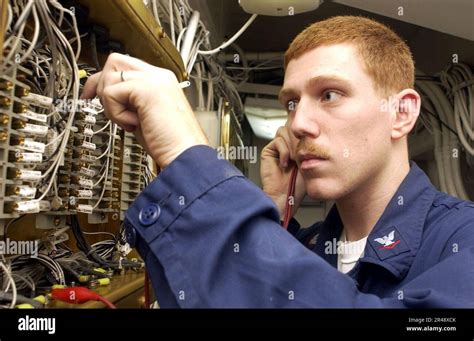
(103, 128)
(75, 82)
(231, 40)
(55, 139)
(113, 129)
(173, 38)
(180, 36)
(74, 24)
(94, 233)
(10, 18)
(12, 283)
(154, 7)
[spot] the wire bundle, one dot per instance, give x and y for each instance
(449, 107)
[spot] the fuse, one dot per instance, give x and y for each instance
(23, 174)
(27, 144)
(88, 172)
(21, 191)
(84, 208)
(88, 145)
(83, 193)
(86, 183)
(88, 158)
(32, 129)
(4, 119)
(33, 146)
(34, 116)
(6, 85)
(18, 156)
(39, 100)
(22, 207)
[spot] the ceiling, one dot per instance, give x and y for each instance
(432, 49)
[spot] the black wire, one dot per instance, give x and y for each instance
(95, 57)
(7, 296)
(8, 225)
(84, 246)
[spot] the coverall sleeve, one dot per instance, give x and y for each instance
(217, 242)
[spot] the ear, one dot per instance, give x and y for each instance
(407, 110)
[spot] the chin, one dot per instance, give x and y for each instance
(323, 189)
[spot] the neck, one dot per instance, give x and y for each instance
(361, 209)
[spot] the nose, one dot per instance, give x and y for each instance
(304, 122)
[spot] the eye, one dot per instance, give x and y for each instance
(291, 105)
(331, 96)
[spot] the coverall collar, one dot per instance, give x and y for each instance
(396, 237)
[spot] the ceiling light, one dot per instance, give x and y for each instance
(279, 8)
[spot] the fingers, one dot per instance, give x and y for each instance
(107, 79)
(283, 151)
(278, 149)
(116, 101)
(285, 134)
(115, 64)
(90, 88)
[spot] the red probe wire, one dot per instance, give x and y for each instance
(290, 195)
(77, 295)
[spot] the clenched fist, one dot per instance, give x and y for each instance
(148, 101)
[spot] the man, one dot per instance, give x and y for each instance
(210, 238)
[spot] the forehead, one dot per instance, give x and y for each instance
(336, 60)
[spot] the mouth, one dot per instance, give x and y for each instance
(308, 161)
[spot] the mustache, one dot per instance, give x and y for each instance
(304, 146)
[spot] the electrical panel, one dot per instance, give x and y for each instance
(60, 155)
(66, 170)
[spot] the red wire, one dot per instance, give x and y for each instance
(291, 193)
(107, 302)
(79, 295)
(147, 291)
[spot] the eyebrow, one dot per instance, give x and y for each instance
(290, 92)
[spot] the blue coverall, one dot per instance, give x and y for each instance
(211, 238)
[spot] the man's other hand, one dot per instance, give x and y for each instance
(277, 163)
